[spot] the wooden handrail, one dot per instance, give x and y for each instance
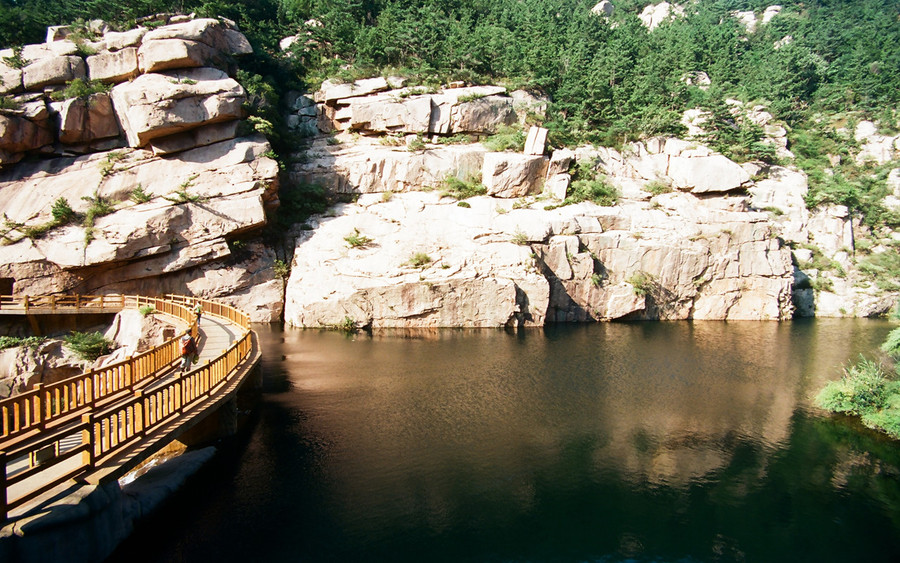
(108, 425)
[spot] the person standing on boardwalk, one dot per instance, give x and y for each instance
(188, 350)
(198, 309)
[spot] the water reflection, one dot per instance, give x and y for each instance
(646, 441)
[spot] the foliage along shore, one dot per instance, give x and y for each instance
(868, 390)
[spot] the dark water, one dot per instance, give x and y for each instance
(612, 442)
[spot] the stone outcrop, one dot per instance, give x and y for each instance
(224, 188)
(160, 104)
(511, 175)
(604, 8)
(86, 120)
(655, 14)
(114, 66)
(493, 265)
(168, 80)
(161, 149)
(712, 196)
(874, 147)
(368, 166)
(22, 366)
(372, 107)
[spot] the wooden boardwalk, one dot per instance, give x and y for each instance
(101, 424)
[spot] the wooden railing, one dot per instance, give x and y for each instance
(82, 303)
(108, 407)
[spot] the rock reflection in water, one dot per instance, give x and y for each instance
(646, 442)
(648, 403)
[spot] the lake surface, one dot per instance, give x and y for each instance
(683, 441)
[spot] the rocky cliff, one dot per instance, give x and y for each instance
(693, 235)
(123, 170)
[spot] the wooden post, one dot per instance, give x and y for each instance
(37, 409)
(87, 456)
(139, 413)
(4, 502)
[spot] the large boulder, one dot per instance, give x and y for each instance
(782, 192)
(511, 175)
(482, 115)
(366, 168)
(655, 14)
(159, 104)
(388, 114)
(21, 367)
(52, 70)
(874, 147)
(114, 66)
(166, 54)
(10, 79)
(19, 134)
(331, 91)
(209, 31)
(84, 120)
(604, 8)
(713, 173)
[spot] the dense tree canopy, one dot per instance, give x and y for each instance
(608, 78)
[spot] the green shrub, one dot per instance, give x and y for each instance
(470, 97)
(463, 189)
(147, 310)
(861, 389)
(642, 282)
(13, 341)
(417, 144)
(9, 103)
(16, 60)
(182, 196)
(658, 187)
(99, 207)
(357, 240)
(282, 269)
(419, 260)
(89, 345)
(457, 139)
(519, 238)
(465, 204)
(822, 284)
(80, 88)
(887, 420)
(883, 268)
(62, 212)
(347, 325)
(597, 191)
(506, 139)
(138, 195)
(891, 345)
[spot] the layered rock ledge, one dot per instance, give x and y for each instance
(432, 263)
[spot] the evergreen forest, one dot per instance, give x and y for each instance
(609, 79)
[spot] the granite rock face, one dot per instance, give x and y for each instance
(432, 263)
(155, 170)
(194, 89)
